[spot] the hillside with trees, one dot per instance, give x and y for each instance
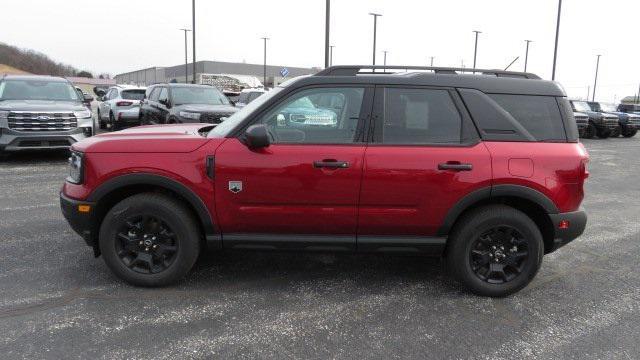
(36, 62)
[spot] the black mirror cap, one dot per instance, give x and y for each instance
(257, 136)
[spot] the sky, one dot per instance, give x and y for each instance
(118, 36)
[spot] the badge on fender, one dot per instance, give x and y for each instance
(235, 186)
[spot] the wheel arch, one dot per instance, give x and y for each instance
(533, 203)
(116, 189)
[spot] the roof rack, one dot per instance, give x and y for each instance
(353, 70)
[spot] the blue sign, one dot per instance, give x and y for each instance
(284, 72)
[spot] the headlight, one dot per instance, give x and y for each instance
(82, 114)
(189, 115)
(76, 167)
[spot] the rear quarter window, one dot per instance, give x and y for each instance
(539, 115)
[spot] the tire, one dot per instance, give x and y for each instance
(168, 251)
(626, 132)
(101, 123)
(496, 223)
(603, 133)
(589, 131)
(113, 126)
(616, 132)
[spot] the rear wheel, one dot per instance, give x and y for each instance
(495, 250)
(616, 132)
(149, 240)
(626, 132)
(589, 132)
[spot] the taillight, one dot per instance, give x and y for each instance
(124, 103)
(585, 168)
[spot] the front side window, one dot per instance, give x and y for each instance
(420, 116)
(38, 90)
(154, 94)
(540, 115)
(164, 95)
(318, 116)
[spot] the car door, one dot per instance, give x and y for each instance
(104, 105)
(161, 108)
(302, 190)
(149, 105)
(424, 156)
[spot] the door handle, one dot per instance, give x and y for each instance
(455, 166)
(331, 164)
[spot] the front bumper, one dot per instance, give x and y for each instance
(11, 140)
(80, 222)
(577, 223)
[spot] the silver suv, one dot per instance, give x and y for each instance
(41, 112)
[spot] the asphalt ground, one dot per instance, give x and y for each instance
(58, 301)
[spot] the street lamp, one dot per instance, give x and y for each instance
(331, 54)
(555, 48)
(327, 56)
(375, 25)
(186, 63)
(265, 62)
(595, 81)
(526, 55)
(475, 49)
(193, 27)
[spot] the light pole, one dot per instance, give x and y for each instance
(475, 50)
(327, 56)
(193, 32)
(555, 48)
(331, 54)
(385, 58)
(431, 61)
(526, 55)
(264, 69)
(595, 81)
(186, 63)
(375, 25)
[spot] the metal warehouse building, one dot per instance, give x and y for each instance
(155, 75)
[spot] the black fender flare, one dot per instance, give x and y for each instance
(489, 192)
(210, 231)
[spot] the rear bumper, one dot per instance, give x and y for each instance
(128, 115)
(80, 222)
(577, 223)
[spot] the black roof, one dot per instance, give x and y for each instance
(35, 77)
(488, 81)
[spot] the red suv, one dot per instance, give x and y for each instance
(485, 170)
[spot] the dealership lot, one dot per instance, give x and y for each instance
(59, 301)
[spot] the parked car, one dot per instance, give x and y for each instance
(484, 169)
(600, 124)
(629, 108)
(185, 103)
(582, 121)
(41, 112)
(120, 107)
(628, 123)
(86, 98)
(248, 95)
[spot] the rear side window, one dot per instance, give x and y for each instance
(540, 115)
(154, 94)
(420, 116)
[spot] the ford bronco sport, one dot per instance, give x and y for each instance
(485, 170)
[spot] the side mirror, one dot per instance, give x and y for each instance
(257, 136)
(165, 102)
(99, 92)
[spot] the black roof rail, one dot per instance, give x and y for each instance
(353, 70)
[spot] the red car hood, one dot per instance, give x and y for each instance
(179, 138)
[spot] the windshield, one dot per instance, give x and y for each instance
(198, 95)
(37, 90)
(608, 107)
(232, 121)
(133, 94)
(580, 106)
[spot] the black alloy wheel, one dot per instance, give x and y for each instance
(146, 244)
(499, 255)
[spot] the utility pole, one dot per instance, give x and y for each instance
(186, 62)
(526, 55)
(475, 50)
(193, 32)
(595, 81)
(385, 59)
(331, 54)
(555, 48)
(588, 92)
(327, 24)
(264, 69)
(375, 25)
(431, 61)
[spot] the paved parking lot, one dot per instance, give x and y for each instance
(57, 301)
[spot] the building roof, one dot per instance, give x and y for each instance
(35, 77)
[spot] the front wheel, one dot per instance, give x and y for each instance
(626, 132)
(149, 240)
(616, 132)
(603, 133)
(589, 132)
(495, 250)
